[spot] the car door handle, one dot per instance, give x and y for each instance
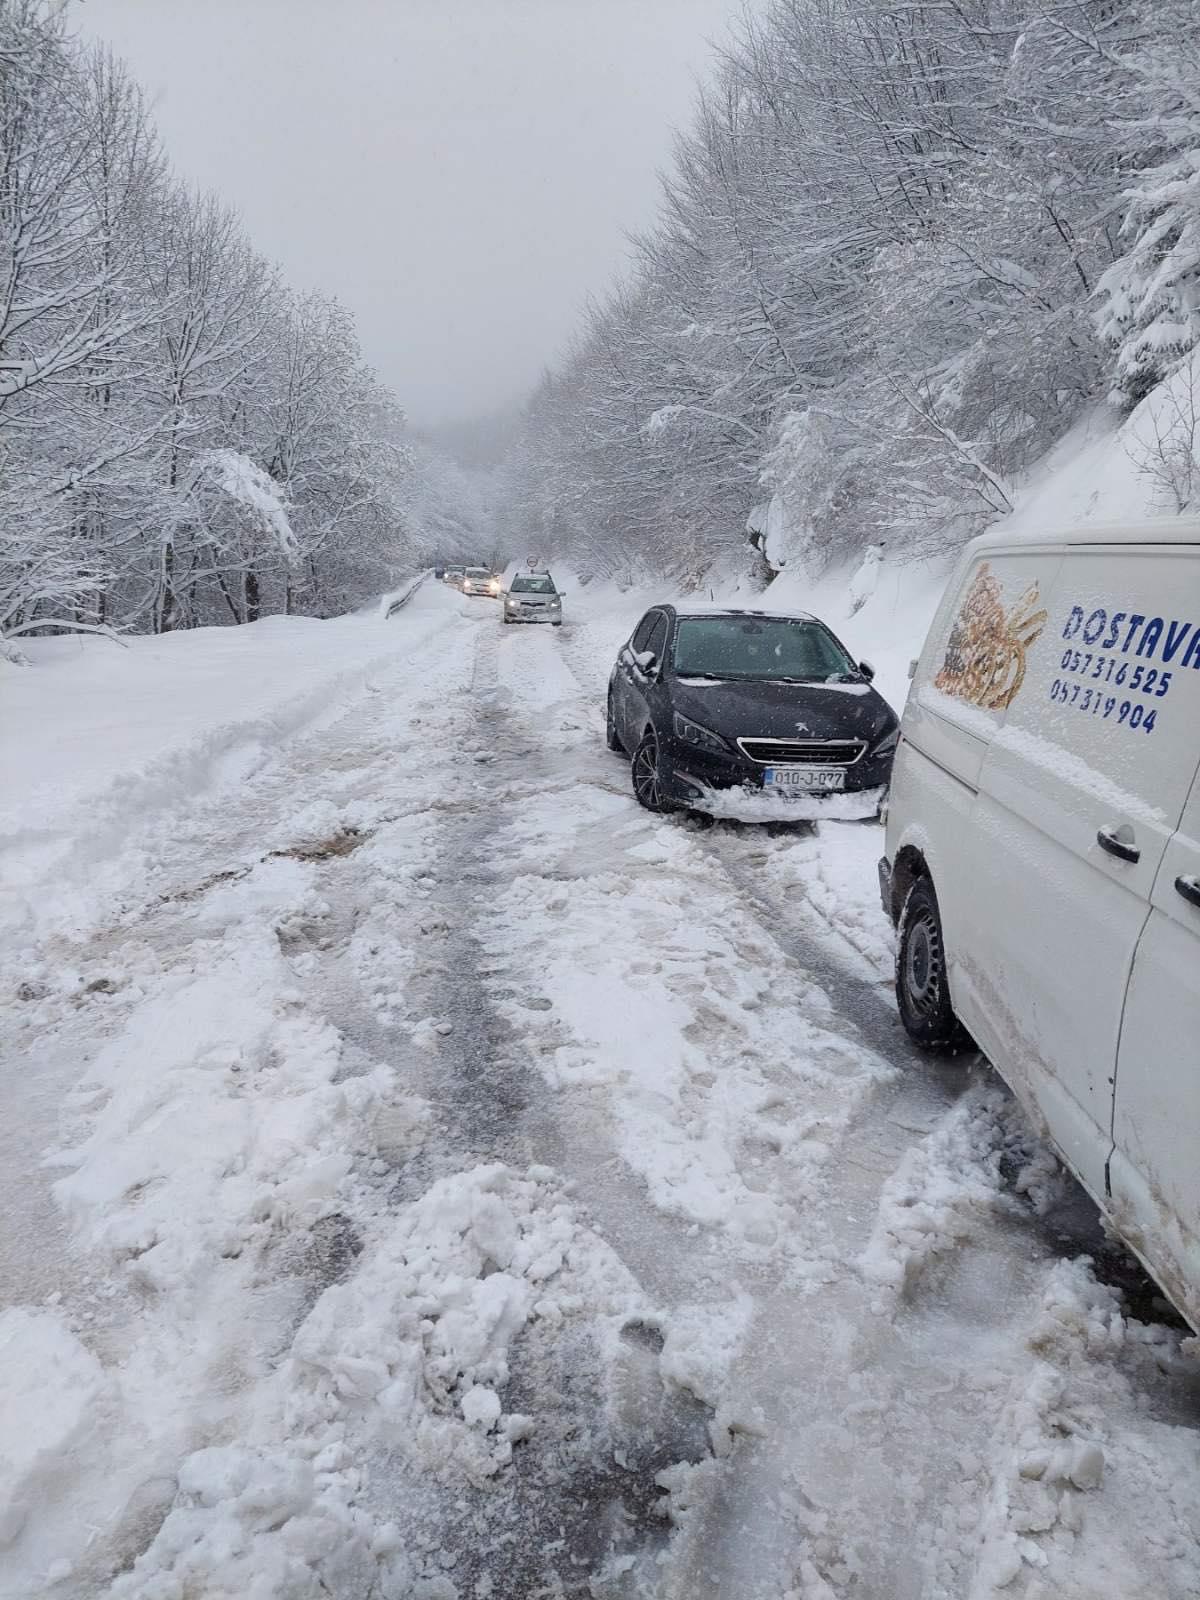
(1119, 842)
(1189, 888)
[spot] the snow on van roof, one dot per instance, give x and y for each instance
(715, 608)
(1161, 530)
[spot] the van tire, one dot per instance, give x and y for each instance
(922, 986)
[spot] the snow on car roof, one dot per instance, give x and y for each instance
(713, 608)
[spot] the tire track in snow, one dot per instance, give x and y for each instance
(880, 1394)
(719, 1562)
(842, 1373)
(167, 1361)
(583, 1487)
(661, 1014)
(924, 1340)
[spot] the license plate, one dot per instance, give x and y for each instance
(804, 780)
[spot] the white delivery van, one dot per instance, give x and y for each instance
(1043, 858)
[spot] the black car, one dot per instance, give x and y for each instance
(706, 699)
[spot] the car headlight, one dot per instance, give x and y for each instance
(703, 738)
(888, 743)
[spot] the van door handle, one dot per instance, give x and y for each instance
(1119, 842)
(1189, 888)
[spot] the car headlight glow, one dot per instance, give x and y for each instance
(694, 734)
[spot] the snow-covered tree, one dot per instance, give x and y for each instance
(183, 439)
(1150, 297)
(869, 302)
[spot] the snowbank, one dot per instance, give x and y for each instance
(407, 1360)
(1108, 471)
(91, 713)
(97, 738)
(51, 1387)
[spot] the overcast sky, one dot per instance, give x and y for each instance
(459, 172)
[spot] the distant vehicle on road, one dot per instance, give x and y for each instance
(707, 699)
(481, 580)
(1043, 858)
(533, 597)
(454, 576)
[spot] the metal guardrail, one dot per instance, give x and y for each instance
(391, 603)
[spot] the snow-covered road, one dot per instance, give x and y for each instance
(427, 1175)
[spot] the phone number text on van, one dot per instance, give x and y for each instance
(1121, 635)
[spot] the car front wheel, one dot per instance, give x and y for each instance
(647, 780)
(922, 985)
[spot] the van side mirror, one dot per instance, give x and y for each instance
(867, 670)
(912, 667)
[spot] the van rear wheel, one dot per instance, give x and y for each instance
(922, 986)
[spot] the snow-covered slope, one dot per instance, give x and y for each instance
(1104, 471)
(1107, 471)
(100, 738)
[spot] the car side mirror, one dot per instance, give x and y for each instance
(867, 670)
(646, 660)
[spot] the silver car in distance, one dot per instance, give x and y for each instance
(532, 597)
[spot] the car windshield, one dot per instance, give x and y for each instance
(777, 648)
(534, 583)
(478, 572)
